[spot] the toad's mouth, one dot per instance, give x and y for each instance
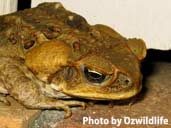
(102, 96)
(94, 94)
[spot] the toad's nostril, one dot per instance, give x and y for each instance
(126, 81)
(122, 81)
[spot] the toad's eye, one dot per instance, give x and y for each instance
(93, 76)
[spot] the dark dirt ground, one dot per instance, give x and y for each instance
(154, 100)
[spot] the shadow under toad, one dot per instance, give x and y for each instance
(148, 67)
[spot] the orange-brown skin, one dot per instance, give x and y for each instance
(54, 55)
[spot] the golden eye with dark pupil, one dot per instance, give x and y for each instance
(93, 76)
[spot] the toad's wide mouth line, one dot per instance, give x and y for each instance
(98, 96)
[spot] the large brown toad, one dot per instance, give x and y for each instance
(49, 57)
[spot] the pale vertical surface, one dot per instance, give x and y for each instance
(8, 6)
(147, 19)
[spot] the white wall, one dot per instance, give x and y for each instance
(7, 6)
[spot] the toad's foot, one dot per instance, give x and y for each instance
(75, 103)
(50, 103)
(22, 85)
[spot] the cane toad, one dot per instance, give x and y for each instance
(50, 57)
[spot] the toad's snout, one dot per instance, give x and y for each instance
(120, 82)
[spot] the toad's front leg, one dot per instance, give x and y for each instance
(24, 87)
